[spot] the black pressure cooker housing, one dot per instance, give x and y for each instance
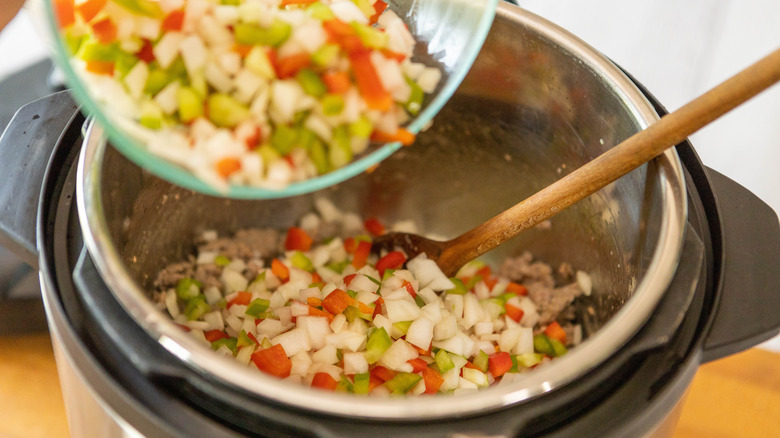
(151, 390)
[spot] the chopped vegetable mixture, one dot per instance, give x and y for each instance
(250, 92)
(328, 313)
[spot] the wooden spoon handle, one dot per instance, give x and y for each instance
(614, 163)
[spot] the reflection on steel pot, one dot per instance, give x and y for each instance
(537, 104)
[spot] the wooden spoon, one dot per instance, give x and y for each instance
(638, 149)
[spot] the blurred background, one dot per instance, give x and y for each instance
(677, 49)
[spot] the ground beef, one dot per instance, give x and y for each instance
(246, 244)
(168, 277)
(539, 278)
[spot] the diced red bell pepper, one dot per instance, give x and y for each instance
(360, 257)
(65, 12)
(337, 301)
(297, 240)
(344, 35)
(228, 166)
(369, 85)
(421, 352)
(100, 67)
(215, 335)
(280, 270)
(499, 363)
(296, 2)
(273, 361)
(252, 337)
(382, 373)
(174, 21)
(516, 288)
(433, 380)
(392, 260)
(374, 227)
(324, 380)
(410, 288)
(146, 54)
(315, 278)
(379, 7)
(350, 245)
(395, 56)
(242, 298)
(514, 312)
(403, 136)
(337, 82)
(377, 307)
(105, 30)
(555, 331)
(289, 66)
(418, 365)
(90, 8)
(348, 279)
(314, 311)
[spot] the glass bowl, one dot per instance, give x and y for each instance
(449, 36)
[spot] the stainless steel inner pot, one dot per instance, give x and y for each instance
(537, 104)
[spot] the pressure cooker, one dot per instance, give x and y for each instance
(682, 259)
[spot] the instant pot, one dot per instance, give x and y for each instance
(682, 260)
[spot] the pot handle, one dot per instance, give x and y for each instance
(748, 310)
(26, 146)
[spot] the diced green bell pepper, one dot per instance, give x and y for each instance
(548, 346)
(459, 289)
(300, 261)
(190, 108)
(196, 308)
(252, 34)
(188, 288)
(402, 382)
(231, 343)
(257, 307)
(378, 342)
(362, 383)
(225, 111)
(481, 361)
(311, 83)
(443, 361)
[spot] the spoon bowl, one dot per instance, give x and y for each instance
(449, 35)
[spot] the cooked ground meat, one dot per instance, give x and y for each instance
(246, 244)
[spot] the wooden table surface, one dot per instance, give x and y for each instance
(738, 396)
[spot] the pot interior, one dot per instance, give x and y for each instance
(537, 104)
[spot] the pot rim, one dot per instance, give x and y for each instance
(621, 327)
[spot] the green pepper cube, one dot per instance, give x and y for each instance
(311, 83)
(230, 343)
(340, 152)
(371, 37)
(402, 326)
(251, 34)
(225, 111)
(361, 128)
(459, 289)
(188, 288)
(443, 361)
(548, 346)
(415, 101)
(402, 382)
(257, 307)
(196, 308)
(300, 261)
(481, 361)
(283, 139)
(378, 342)
(244, 340)
(332, 104)
(190, 105)
(528, 360)
(325, 55)
(319, 157)
(362, 383)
